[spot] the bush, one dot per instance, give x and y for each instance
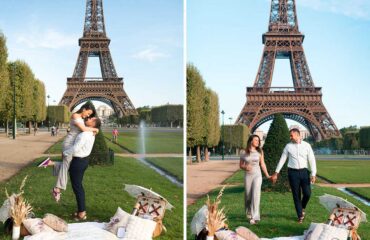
(101, 154)
(365, 138)
(276, 140)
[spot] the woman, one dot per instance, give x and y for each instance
(252, 161)
(77, 125)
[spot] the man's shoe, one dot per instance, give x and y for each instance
(44, 163)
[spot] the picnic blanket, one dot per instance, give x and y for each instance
(285, 238)
(76, 231)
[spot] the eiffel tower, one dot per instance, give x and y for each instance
(303, 102)
(109, 88)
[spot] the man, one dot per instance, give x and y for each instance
(80, 151)
(300, 155)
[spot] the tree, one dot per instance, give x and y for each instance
(235, 136)
(145, 114)
(351, 140)
(212, 121)
(5, 93)
(195, 91)
(167, 115)
(276, 140)
(365, 137)
(58, 114)
(100, 154)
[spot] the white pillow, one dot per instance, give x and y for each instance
(320, 231)
(119, 219)
(36, 225)
(139, 229)
(228, 235)
(246, 233)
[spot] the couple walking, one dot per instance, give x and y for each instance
(77, 146)
(300, 157)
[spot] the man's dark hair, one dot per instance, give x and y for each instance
(97, 122)
(295, 130)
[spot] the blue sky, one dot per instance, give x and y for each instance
(224, 42)
(146, 44)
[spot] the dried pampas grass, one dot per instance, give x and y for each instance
(216, 218)
(20, 208)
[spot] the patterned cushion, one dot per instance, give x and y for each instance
(228, 235)
(139, 228)
(246, 233)
(119, 219)
(320, 231)
(55, 222)
(35, 225)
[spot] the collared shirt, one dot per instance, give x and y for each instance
(300, 155)
(82, 145)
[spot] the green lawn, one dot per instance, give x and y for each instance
(278, 217)
(342, 171)
(104, 193)
(174, 166)
(156, 142)
(365, 192)
(56, 148)
(338, 171)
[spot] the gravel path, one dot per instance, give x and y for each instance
(18, 153)
(206, 176)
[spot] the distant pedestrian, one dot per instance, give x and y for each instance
(35, 129)
(56, 131)
(115, 135)
(52, 131)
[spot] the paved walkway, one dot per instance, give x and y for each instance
(18, 153)
(344, 185)
(206, 176)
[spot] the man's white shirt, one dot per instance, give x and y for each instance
(82, 146)
(300, 155)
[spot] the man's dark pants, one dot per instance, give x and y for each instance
(299, 180)
(76, 173)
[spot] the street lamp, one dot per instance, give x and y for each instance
(222, 134)
(14, 116)
(48, 96)
(230, 118)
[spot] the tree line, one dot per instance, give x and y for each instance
(353, 138)
(203, 127)
(168, 115)
(18, 81)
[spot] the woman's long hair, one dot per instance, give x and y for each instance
(88, 106)
(249, 144)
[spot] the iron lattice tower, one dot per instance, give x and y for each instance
(109, 88)
(303, 102)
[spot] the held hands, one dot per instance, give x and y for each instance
(274, 178)
(313, 179)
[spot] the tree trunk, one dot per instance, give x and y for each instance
(190, 157)
(6, 127)
(198, 154)
(29, 127)
(206, 154)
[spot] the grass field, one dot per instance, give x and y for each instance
(365, 192)
(174, 166)
(278, 217)
(156, 142)
(343, 171)
(104, 193)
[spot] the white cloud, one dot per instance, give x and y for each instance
(150, 54)
(49, 38)
(358, 9)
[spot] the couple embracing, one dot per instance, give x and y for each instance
(300, 157)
